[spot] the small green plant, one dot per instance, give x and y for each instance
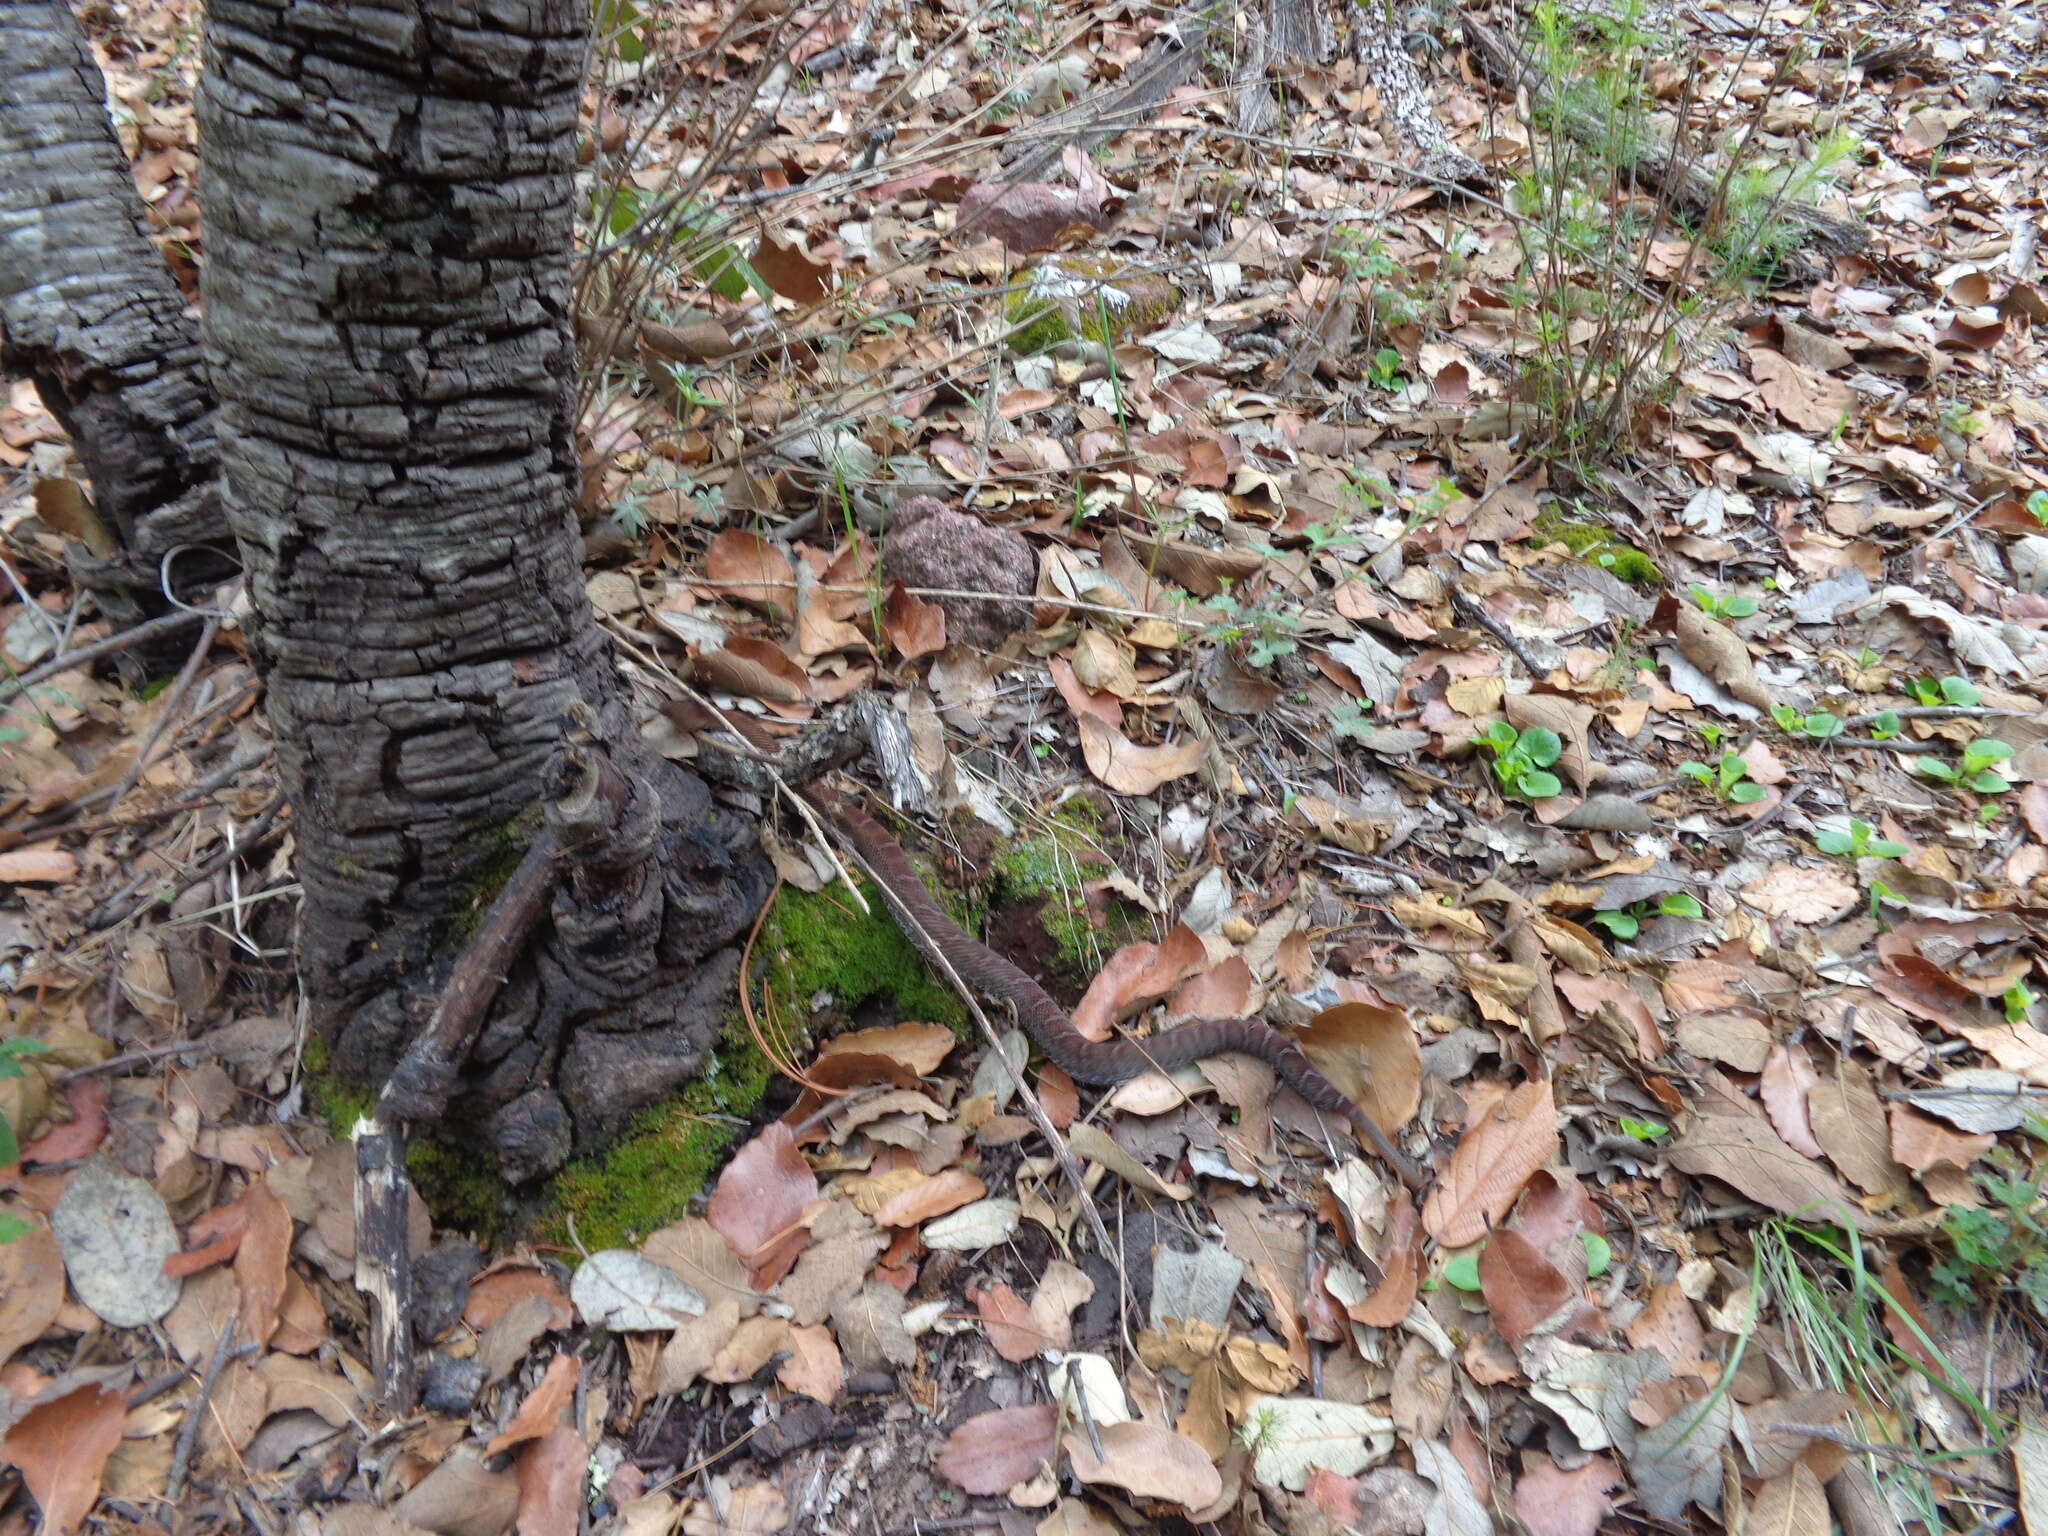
(1353, 719)
(1880, 893)
(1930, 692)
(2037, 503)
(1626, 922)
(2018, 1001)
(1819, 725)
(1267, 632)
(1715, 607)
(1522, 759)
(1643, 1130)
(1974, 772)
(1867, 658)
(1884, 725)
(1999, 1248)
(1384, 371)
(1729, 780)
(1711, 734)
(12, 1050)
(1859, 842)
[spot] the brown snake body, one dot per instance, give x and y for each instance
(1095, 1062)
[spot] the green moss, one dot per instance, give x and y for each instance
(648, 1177)
(1049, 868)
(455, 1178)
(491, 853)
(813, 942)
(821, 942)
(1069, 296)
(1596, 545)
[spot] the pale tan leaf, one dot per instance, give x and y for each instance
(1791, 1505)
(1130, 769)
(1147, 1461)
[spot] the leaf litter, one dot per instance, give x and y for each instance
(1726, 1188)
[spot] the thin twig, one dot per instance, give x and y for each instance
(1499, 631)
(188, 1432)
(141, 633)
(173, 705)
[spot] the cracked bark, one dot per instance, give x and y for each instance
(389, 204)
(90, 314)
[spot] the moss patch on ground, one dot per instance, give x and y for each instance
(1049, 868)
(1597, 545)
(812, 943)
(1064, 298)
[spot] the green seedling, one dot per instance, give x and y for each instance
(1599, 1254)
(1729, 781)
(2001, 1246)
(1867, 658)
(1626, 922)
(1384, 371)
(2018, 1001)
(1884, 725)
(1522, 759)
(11, 1052)
(1974, 772)
(1880, 893)
(1711, 735)
(1461, 1273)
(1929, 692)
(2037, 504)
(1643, 1130)
(1859, 842)
(1820, 725)
(1722, 607)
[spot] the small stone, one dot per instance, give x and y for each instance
(931, 545)
(449, 1385)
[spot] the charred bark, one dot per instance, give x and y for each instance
(89, 312)
(389, 207)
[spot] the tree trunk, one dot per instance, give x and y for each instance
(89, 312)
(388, 197)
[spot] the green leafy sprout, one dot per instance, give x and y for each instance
(1975, 771)
(1819, 725)
(1930, 692)
(1715, 607)
(1858, 842)
(1626, 922)
(1729, 780)
(1522, 759)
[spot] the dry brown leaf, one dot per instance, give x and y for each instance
(1737, 1038)
(1553, 1502)
(1011, 1328)
(1493, 1161)
(751, 1509)
(1523, 1289)
(931, 1197)
(753, 668)
(760, 1201)
(1788, 1078)
(1740, 1149)
(261, 1260)
(1222, 992)
(752, 1345)
(1137, 976)
(1101, 706)
(550, 1476)
(1373, 1057)
(459, 1497)
(1805, 895)
(1805, 399)
(920, 1047)
(1400, 1258)
(1849, 1123)
(749, 568)
(1719, 653)
(1062, 1289)
(1568, 719)
(37, 864)
(61, 1447)
(1920, 1142)
(694, 1250)
(1130, 769)
(915, 627)
(541, 1411)
(1149, 1462)
(692, 1348)
(814, 1368)
(31, 1281)
(1791, 1505)
(993, 1452)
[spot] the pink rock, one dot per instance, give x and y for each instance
(1026, 215)
(931, 545)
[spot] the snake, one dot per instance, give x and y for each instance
(1098, 1063)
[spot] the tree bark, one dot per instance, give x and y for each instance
(389, 211)
(89, 312)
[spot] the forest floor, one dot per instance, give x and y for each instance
(1573, 648)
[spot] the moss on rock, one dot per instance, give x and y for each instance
(1047, 868)
(1597, 545)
